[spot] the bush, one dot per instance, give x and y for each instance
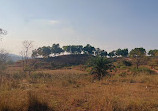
(127, 63)
(99, 66)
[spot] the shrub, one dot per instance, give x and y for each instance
(99, 66)
(127, 63)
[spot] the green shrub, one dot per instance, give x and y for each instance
(99, 66)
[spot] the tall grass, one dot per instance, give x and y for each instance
(71, 90)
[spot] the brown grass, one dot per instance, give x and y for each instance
(73, 90)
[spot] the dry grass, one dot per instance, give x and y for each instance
(73, 90)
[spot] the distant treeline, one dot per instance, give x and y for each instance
(55, 50)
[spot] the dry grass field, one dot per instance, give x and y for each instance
(76, 90)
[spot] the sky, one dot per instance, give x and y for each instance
(107, 24)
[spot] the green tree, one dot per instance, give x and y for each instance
(97, 51)
(153, 53)
(76, 49)
(103, 53)
(138, 55)
(112, 54)
(99, 65)
(100, 52)
(67, 49)
(56, 49)
(122, 52)
(44, 51)
(73, 49)
(34, 53)
(88, 49)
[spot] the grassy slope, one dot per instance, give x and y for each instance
(72, 90)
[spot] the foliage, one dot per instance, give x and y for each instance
(55, 49)
(88, 49)
(153, 53)
(34, 53)
(45, 51)
(122, 52)
(67, 48)
(100, 52)
(112, 54)
(137, 52)
(99, 65)
(138, 55)
(74, 49)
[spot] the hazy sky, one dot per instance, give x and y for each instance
(108, 24)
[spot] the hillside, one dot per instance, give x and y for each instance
(64, 60)
(58, 61)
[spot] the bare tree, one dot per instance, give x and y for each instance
(2, 32)
(26, 53)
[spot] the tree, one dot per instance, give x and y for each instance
(103, 53)
(153, 53)
(99, 65)
(88, 49)
(97, 51)
(138, 54)
(3, 32)
(26, 52)
(112, 53)
(45, 51)
(122, 52)
(56, 49)
(34, 53)
(67, 49)
(73, 49)
(100, 52)
(3, 54)
(76, 49)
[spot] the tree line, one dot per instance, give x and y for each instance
(55, 50)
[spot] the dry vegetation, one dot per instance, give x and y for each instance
(74, 90)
